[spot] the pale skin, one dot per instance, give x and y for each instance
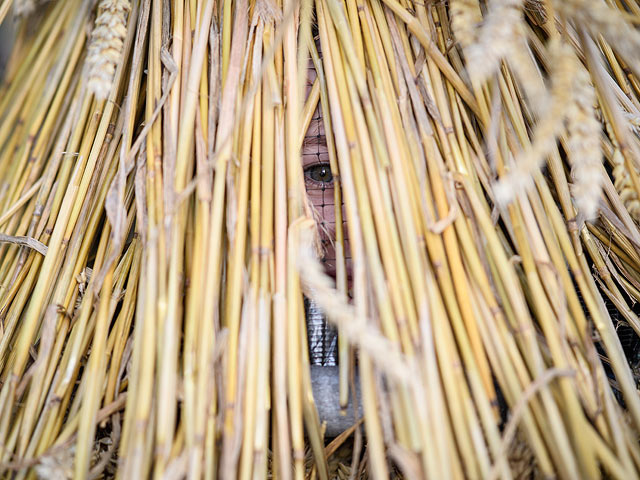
(320, 184)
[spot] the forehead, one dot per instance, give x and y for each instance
(314, 147)
(311, 71)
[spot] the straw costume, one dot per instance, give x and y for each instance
(159, 240)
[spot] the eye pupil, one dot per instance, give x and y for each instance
(320, 173)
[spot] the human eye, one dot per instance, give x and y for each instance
(319, 173)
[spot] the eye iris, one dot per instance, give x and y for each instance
(320, 173)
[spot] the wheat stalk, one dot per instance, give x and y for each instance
(465, 19)
(548, 128)
(583, 143)
(495, 37)
(600, 19)
(23, 8)
(624, 186)
(105, 49)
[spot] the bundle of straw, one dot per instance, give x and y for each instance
(157, 241)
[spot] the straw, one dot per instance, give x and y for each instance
(157, 241)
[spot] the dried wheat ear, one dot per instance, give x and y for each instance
(105, 49)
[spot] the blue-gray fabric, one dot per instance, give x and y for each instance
(322, 337)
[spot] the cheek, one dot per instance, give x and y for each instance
(328, 215)
(316, 197)
(323, 202)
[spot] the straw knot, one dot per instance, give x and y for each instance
(106, 45)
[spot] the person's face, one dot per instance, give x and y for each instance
(319, 183)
